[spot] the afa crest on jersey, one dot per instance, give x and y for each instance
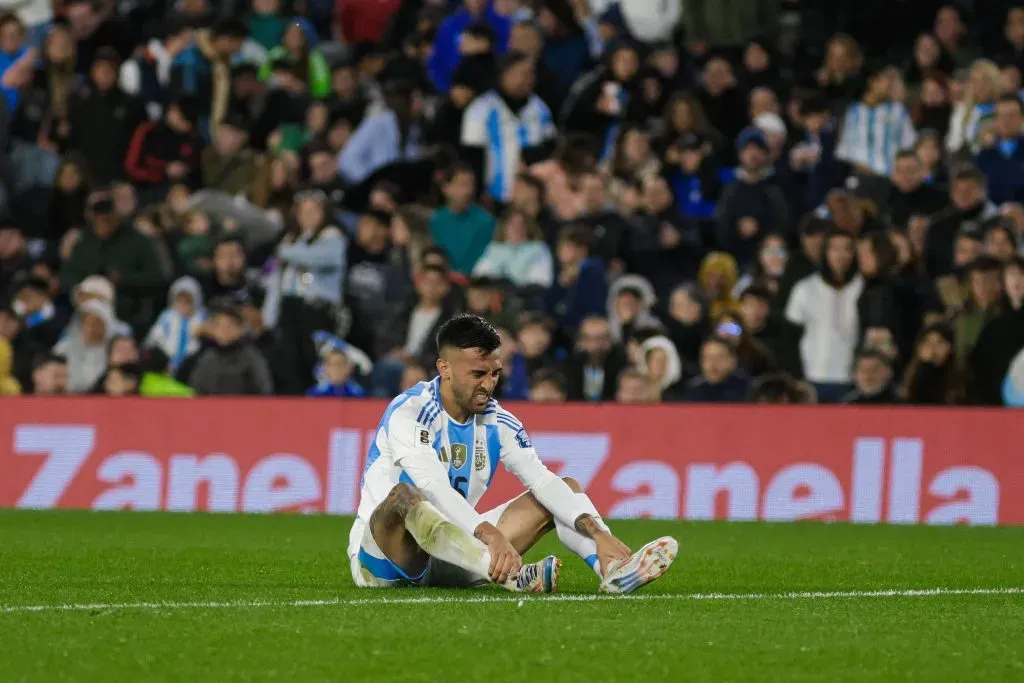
(479, 457)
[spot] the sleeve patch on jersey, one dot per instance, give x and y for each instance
(422, 436)
(522, 439)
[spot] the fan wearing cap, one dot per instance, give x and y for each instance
(694, 178)
(124, 256)
(33, 305)
(507, 128)
(166, 151)
(102, 117)
(754, 204)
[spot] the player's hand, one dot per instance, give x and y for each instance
(609, 550)
(505, 561)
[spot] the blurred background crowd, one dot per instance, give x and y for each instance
(654, 200)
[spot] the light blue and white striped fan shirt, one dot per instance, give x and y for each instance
(489, 124)
(872, 136)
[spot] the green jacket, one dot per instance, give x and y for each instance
(154, 384)
(234, 175)
(319, 78)
(130, 260)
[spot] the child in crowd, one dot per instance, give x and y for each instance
(176, 331)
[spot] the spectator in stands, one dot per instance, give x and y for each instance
(123, 380)
(525, 134)
(1000, 242)
(752, 356)
(720, 99)
(662, 245)
(687, 322)
(203, 70)
(840, 74)
(176, 331)
(1002, 156)
(634, 386)
(769, 267)
(445, 57)
(977, 105)
(780, 389)
(95, 29)
(933, 377)
(592, 370)
(719, 380)
(9, 386)
(875, 128)
(124, 256)
(394, 134)
(231, 365)
(718, 277)
(50, 376)
(157, 379)
(886, 301)
(910, 197)
(166, 152)
(312, 262)
(33, 304)
(933, 111)
(298, 45)
(753, 205)
(462, 227)
(1000, 339)
(970, 207)
(409, 338)
(229, 164)
(602, 99)
(102, 118)
(580, 284)
(517, 254)
(663, 367)
(85, 347)
(147, 76)
(337, 378)
(872, 380)
(631, 299)
(824, 305)
(813, 168)
(984, 293)
(547, 387)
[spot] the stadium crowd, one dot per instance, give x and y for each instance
(654, 200)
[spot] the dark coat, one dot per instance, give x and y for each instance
(614, 363)
(732, 390)
(235, 370)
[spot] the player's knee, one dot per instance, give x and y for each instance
(573, 484)
(404, 496)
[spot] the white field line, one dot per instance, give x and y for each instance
(523, 599)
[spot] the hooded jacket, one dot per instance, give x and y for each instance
(644, 318)
(674, 366)
(580, 113)
(86, 362)
(719, 262)
(173, 333)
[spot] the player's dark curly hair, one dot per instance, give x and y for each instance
(467, 331)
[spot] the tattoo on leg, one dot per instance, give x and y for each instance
(391, 513)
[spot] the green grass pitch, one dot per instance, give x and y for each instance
(256, 570)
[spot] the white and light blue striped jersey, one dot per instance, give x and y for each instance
(489, 124)
(872, 136)
(452, 464)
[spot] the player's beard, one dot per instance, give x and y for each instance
(469, 401)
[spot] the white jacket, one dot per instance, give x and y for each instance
(831, 326)
(651, 21)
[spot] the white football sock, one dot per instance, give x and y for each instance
(580, 544)
(442, 539)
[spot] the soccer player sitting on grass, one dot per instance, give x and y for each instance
(434, 454)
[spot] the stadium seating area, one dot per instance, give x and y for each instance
(781, 201)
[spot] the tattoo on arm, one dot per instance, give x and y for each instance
(586, 525)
